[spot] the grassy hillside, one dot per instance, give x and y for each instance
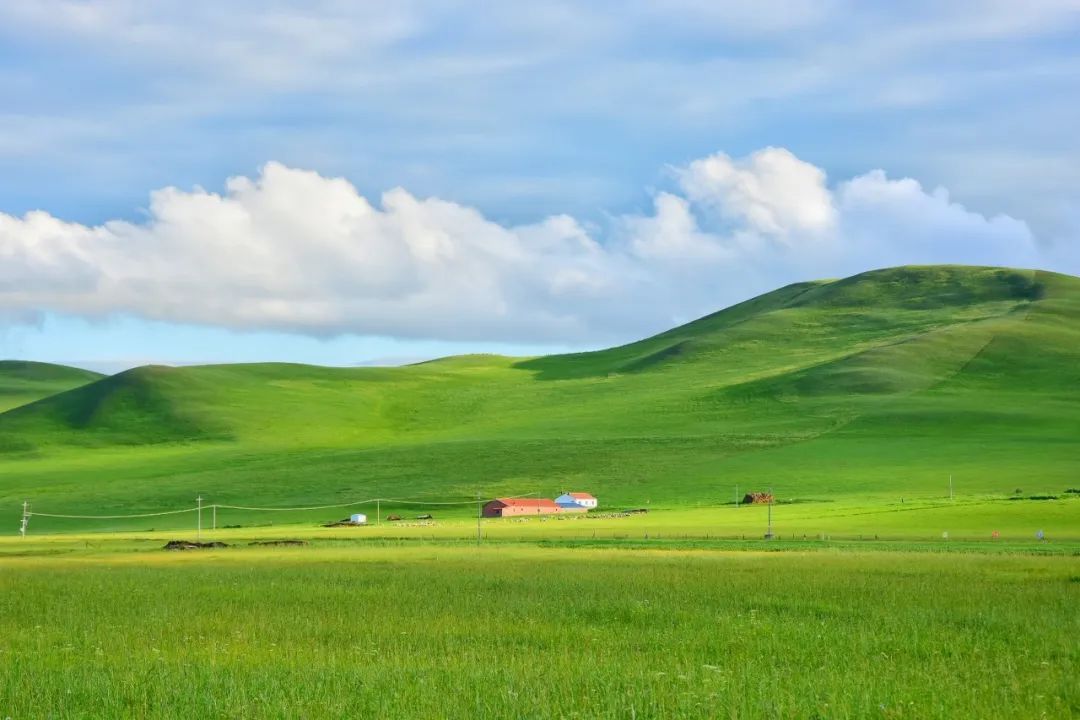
(23, 382)
(878, 385)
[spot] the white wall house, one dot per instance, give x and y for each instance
(576, 499)
(358, 519)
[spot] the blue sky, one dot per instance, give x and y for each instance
(425, 178)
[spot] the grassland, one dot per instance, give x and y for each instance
(853, 400)
(862, 391)
(340, 630)
(993, 521)
(23, 382)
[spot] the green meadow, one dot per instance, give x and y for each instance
(23, 382)
(872, 390)
(345, 629)
(919, 428)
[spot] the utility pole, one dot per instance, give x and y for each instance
(768, 533)
(478, 512)
(25, 517)
(214, 507)
(198, 527)
(950, 487)
(736, 496)
(378, 512)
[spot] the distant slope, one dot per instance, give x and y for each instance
(140, 406)
(867, 307)
(879, 383)
(24, 381)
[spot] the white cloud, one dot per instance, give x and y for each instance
(274, 45)
(380, 88)
(294, 251)
(671, 233)
(898, 219)
(772, 192)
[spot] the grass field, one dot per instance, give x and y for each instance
(340, 630)
(854, 400)
(23, 382)
(864, 390)
(867, 518)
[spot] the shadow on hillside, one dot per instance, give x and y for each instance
(142, 406)
(562, 367)
(604, 363)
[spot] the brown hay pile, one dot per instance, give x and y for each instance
(757, 498)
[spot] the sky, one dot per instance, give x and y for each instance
(352, 183)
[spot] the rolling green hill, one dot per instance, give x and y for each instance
(23, 382)
(881, 384)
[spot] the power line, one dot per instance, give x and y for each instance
(425, 502)
(399, 501)
(109, 517)
(297, 509)
(199, 507)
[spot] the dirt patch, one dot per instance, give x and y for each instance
(189, 545)
(278, 542)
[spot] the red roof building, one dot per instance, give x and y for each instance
(517, 507)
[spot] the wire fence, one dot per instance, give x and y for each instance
(29, 514)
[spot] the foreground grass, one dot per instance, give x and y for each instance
(442, 631)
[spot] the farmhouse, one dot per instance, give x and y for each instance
(576, 500)
(515, 507)
(358, 519)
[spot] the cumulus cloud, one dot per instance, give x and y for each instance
(295, 251)
(899, 219)
(772, 192)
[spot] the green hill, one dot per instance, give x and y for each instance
(22, 381)
(881, 384)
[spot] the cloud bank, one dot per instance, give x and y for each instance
(291, 250)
